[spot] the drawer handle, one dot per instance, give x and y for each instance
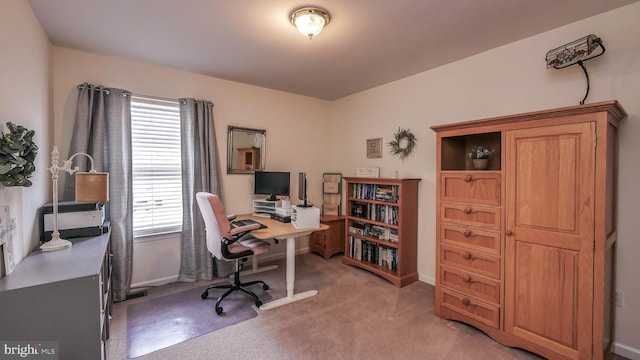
(468, 178)
(467, 256)
(508, 233)
(467, 210)
(466, 301)
(466, 278)
(467, 233)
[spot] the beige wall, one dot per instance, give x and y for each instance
(24, 100)
(507, 80)
(288, 119)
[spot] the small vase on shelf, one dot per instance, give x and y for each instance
(480, 164)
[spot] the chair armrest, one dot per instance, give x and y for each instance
(243, 229)
(239, 232)
(231, 217)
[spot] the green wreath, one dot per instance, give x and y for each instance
(17, 155)
(403, 144)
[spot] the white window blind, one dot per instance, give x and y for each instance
(157, 175)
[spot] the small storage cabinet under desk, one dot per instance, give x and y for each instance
(62, 296)
(331, 241)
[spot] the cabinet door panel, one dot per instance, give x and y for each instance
(549, 236)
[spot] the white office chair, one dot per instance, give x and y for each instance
(229, 244)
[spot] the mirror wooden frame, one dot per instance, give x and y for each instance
(246, 151)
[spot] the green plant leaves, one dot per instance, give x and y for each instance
(17, 155)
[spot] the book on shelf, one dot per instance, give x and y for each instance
(375, 231)
(385, 193)
(387, 214)
(368, 251)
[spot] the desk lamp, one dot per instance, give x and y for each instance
(91, 186)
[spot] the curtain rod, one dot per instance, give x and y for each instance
(157, 98)
(106, 90)
(146, 97)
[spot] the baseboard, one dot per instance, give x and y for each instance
(626, 351)
(171, 279)
(156, 282)
(427, 279)
(271, 256)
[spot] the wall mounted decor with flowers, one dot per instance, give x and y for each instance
(403, 143)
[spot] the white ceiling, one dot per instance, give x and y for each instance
(367, 43)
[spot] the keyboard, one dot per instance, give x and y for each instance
(245, 222)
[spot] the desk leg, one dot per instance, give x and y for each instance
(291, 279)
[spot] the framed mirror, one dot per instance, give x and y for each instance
(245, 150)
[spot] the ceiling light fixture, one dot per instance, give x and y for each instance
(309, 20)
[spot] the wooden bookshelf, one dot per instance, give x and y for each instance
(381, 227)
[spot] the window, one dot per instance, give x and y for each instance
(157, 166)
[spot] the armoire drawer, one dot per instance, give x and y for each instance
(473, 308)
(470, 283)
(478, 187)
(468, 214)
(475, 261)
(485, 240)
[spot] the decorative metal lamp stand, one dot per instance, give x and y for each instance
(90, 187)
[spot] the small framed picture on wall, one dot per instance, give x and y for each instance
(374, 148)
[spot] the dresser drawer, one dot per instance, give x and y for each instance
(475, 309)
(469, 214)
(470, 283)
(479, 187)
(475, 261)
(485, 240)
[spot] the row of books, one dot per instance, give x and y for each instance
(381, 213)
(375, 231)
(377, 254)
(386, 193)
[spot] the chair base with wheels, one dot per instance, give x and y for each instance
(236, 286)
(229, 243)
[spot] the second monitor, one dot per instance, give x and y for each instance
(302, 190)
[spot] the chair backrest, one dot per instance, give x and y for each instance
(216, 223)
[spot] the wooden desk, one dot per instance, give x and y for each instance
(282, 231)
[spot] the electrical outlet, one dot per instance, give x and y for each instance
(619, 298)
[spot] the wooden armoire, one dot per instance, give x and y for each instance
(526, 249)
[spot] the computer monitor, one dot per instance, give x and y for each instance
(272, 183)
(302, 190)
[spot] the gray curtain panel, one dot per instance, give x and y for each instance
(200, 172)
(103, 130)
